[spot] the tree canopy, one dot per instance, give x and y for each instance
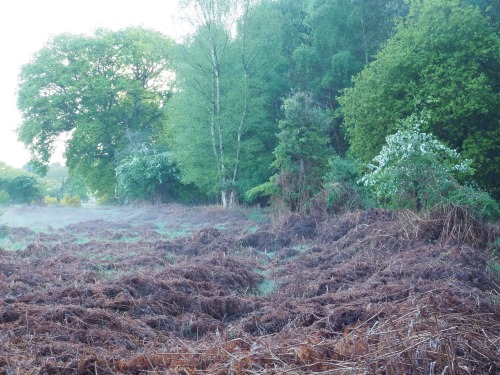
(107, 92)
(264, 88)
(444, 59)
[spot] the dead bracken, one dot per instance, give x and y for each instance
(374, 292)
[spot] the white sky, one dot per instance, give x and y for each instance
(26, 25)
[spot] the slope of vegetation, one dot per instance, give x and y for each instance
(366, 292)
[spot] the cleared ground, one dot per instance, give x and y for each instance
(175, 290)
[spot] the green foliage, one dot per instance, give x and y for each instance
(4, 198)
(414, 169)
(24, 189)
(147, 175)
(60, 182)
(99, 91)
(50, 201)
(343, 193)
(302, 152)
(444, 58)
(71, 201)
(231, 146)
(267, 189)
(342, 37)
(477, 202)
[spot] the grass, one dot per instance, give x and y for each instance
(303, 247)
(166, 230)
(266, 287)
(259, 215)
(7, 244)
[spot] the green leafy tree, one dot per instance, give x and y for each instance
(24, 189)
(444, 58)
(98, 91)
(414, 169)
(342, 37)
(229, 88)
(148, 175)
(7, 175)
(302, 153)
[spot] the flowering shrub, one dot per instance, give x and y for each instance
(414, 169)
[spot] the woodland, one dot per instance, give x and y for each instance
(275, 101)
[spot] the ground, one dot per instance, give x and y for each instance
(201, 290)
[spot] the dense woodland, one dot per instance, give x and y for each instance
(343, 104)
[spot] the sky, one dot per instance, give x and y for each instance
(26, 25)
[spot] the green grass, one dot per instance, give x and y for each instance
(184, 230)
(303, 247)
(7, 244)
(259, 215)
(266, 287)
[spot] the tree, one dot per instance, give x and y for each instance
(147, 175)
(224, 111)
(302, 153)
(98, 91)
(342, 37)
(445, 59)
(24, 189)
(7, 174)
(415, 167)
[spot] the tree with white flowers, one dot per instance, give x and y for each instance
(414, 169)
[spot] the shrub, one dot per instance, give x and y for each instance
(301, 154)
(50, 201)
(414, 169)
(341, 188)
(24, 189)
(477, 202)
(71, 201)
(147, 175)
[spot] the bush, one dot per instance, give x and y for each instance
(477, 202)
(341, 188)
(50, 201)
(147, 175)
(71, 201)
(301, 154)
(414, 169)
(24, 189)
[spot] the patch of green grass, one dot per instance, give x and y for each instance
(164, 229)
(82, 240)
(303, 247)
(259, 215)
(266, 287)
(495, 266)
(270, 254)
(4, 231)
(7, 244)
(111, 273)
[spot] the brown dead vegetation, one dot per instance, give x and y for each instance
(373, 292)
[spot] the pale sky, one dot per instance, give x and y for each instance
(26, 25)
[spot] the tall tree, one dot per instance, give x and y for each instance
(100, 91)
(231, 80)
(444, 59)
(302, 153)
(341, 38)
